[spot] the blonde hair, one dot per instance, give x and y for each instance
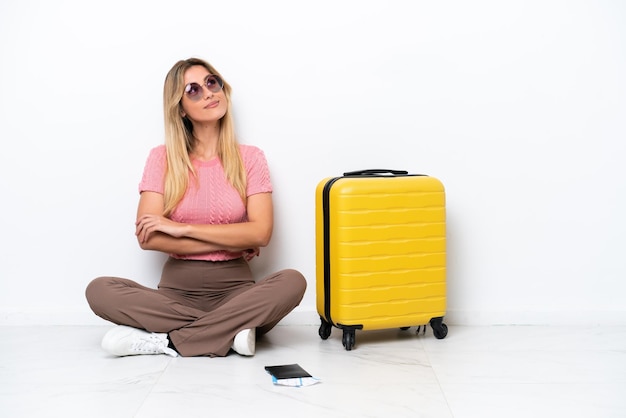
(179, 140)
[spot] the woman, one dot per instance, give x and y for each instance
(206, 201)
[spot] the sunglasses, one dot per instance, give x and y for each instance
(212, 82)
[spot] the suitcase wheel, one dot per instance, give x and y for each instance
(325, 329)
(439, 328)
(349, 335)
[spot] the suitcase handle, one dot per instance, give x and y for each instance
(376, 171)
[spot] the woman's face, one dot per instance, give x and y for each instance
(208, 105)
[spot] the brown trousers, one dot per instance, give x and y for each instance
(202, 305)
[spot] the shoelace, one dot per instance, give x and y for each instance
(153, 344)
(149, 344)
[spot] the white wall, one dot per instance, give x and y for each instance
(518, 107)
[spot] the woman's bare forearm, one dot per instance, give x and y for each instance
(238, 235)
(185, 246)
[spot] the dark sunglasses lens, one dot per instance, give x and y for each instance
(214, 83)
(193, 91)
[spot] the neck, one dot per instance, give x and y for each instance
(204, 150)
(206, 139)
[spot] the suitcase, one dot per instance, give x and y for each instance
(380, 253)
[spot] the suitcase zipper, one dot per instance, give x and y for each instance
(326, 256)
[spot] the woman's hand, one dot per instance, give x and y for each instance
(148, 224)
(250, 253)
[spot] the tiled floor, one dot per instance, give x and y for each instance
(478, 372)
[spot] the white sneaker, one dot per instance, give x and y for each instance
(129, 341)
(245, 342)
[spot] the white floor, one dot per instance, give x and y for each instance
(480, 372)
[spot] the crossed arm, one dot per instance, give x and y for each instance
(156, 232)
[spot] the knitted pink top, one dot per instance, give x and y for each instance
(211, 199)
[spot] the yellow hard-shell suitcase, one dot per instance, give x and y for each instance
(380, 252)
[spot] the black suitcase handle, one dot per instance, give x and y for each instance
(375, 171)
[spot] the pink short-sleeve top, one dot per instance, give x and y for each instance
(209, 199)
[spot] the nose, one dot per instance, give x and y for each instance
(208, 93)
